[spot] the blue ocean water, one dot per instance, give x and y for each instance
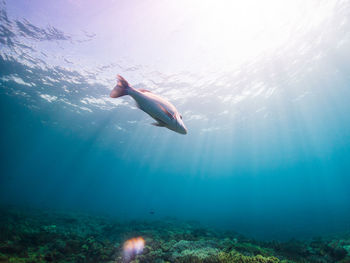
(267, 152)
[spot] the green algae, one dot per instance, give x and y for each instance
(235, 257)
(34, 236)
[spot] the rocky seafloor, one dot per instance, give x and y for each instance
(32, 235)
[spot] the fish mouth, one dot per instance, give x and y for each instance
(181, 129)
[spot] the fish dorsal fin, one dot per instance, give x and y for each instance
(144, 90)
(171, 116)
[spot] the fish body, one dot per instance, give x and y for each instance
(165, 113)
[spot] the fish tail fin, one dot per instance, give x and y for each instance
(121, 89)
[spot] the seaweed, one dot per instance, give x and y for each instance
(36, 236)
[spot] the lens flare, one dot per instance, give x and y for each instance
(133, 247)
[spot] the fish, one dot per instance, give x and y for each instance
(162, 111)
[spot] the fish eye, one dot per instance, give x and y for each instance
(180, 116)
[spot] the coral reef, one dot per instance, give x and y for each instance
(36, 236)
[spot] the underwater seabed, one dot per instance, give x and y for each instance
(33, 235)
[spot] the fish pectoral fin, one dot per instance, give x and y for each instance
(159, 123)
(171, 116)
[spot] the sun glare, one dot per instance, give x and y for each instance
(237, 30)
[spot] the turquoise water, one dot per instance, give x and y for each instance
(268, 148)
